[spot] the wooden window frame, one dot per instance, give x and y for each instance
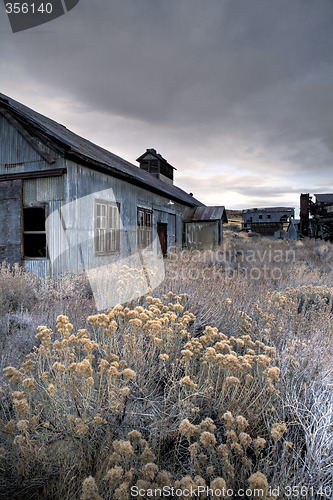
(45, 206)
(111, 234)
(145, 230)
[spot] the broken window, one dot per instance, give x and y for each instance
(107, 227)
(145, 227)
(34, 232)
(260, 217)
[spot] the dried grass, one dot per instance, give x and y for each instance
(225, 379)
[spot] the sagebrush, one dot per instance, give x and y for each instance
(221, 381)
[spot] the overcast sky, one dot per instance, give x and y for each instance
(236, 94)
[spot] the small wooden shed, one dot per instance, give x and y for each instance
(204, 227)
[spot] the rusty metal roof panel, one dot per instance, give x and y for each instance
(74, 146)
(324, 198)
(207, 214)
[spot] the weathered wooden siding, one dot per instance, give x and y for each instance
(17, 154)
(50, 192)
(10, 221)
(202, 235)
(74, 224)
(40, 268)
(43, 190)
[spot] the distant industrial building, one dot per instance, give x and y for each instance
(271, 222)
(316, 217)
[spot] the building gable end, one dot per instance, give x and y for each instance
(37, 145)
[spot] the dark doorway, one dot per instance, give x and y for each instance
(163, 237)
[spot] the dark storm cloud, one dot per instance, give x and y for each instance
(235, 82)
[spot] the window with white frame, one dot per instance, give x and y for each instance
(107, 225)
(145, 227)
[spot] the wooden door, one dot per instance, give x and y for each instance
(163, 237)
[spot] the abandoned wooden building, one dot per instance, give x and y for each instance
(204, 227)
(66, 203)
(316, 217)
(272, 222)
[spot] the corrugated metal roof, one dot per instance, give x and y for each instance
(84, 151)
(324, 198)
(269, 209)
(207, 213)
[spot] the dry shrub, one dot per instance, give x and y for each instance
(18, 289)
(27, 301)
(78, 395)
(293, 314)
(148, 395)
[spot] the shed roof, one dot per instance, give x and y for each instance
(207, 214)
(82, 151)
(324, 198)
